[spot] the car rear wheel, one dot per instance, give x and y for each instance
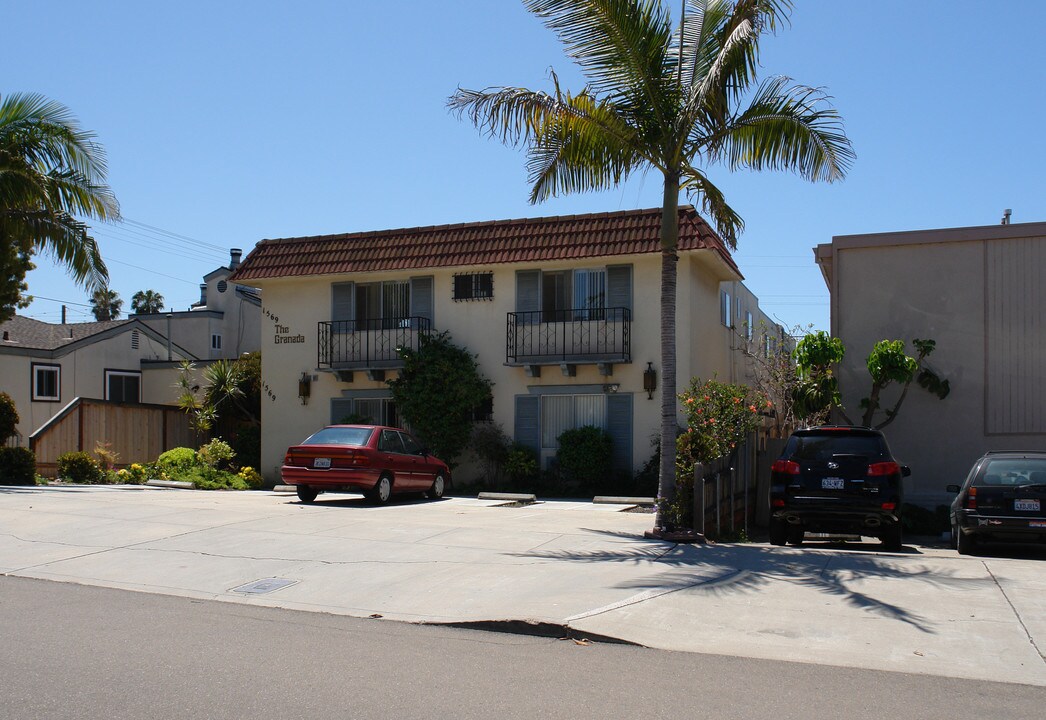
(965, 544)
(892, 538)
(382, 491)
(796, 534)
(438, 486)
(306, 494)
(778, 532)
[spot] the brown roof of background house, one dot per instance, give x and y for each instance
(38, 335)
(484, 243)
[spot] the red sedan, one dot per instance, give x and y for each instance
(375, 460)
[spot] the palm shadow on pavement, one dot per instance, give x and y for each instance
(724, 570)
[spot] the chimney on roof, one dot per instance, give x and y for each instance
(1006, 216)
(234, 256)
(203, 294)
(63, 314)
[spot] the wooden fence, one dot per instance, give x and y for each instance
(732, 494)
(137, 433)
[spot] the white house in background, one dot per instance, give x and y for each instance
(44, 366)
(563, 313)
(224, 324)
(980, 293)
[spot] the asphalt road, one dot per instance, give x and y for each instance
(71, 651)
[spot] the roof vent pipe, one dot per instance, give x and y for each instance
(234, 258)
(1006, 216)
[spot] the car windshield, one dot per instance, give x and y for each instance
(828, 445)
(340, 436)
(1014, 471)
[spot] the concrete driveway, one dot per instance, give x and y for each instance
(926, 610)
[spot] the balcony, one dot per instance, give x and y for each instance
(569, 337)
(369, 345)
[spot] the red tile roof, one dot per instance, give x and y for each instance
(484, 243)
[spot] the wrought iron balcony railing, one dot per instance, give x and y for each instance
(367, 344)
(569, 336)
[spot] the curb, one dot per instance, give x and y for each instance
(173, 484)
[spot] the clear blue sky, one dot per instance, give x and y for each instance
(230, 122)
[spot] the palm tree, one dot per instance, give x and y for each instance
(105, 304)
(51, 172)
(676, 97)
(147, 302)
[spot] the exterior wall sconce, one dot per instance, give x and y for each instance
(650, 380)
(304, 388)
(611, 387)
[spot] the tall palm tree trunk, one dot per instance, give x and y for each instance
(666, 484)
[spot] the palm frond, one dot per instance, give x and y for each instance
(589, 148)
(61, 236)
(787, 127)
(620, 45)
(513, 115)
(702, 193)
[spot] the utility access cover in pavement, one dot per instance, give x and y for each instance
(265, 585)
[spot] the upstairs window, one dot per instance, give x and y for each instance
(748, 326)
(47, 382)
(724, 309)
(474, 286)
(216, 341)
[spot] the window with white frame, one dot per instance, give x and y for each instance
(47, 382)
(749, 330)
(583, 291)
(386, 301)
(724, 308)
(123, 386)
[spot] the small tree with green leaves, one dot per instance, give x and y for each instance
(437, 391)
(888, 364)
(8, 417)
(816, 390)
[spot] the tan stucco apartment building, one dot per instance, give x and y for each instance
(562, 312)
(980, 293)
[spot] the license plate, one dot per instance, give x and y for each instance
(321, 463)
(832, 483)
(1026, 505)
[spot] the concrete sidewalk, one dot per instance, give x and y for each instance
(568, 563)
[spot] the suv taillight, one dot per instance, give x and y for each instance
(971, 499)
(883, 468)
(788, 467)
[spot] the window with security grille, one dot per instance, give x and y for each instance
(474, 286)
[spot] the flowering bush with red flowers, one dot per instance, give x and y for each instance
(719, 417)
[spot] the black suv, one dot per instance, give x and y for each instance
(1002, 500)
(836, 479)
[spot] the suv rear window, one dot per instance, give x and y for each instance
(1014, 471)
(822, 446)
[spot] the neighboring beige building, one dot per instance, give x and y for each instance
(224, 324)
(44, 366)
(980, 293)
(563, 313)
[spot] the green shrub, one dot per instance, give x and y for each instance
(80, 467)
(246, 441)
(585, 457)
(8, 417)
(216, 454)
(176, 460)
(17, 466)
(521, 466)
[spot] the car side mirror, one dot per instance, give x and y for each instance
(906, 471)
(953, 489)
